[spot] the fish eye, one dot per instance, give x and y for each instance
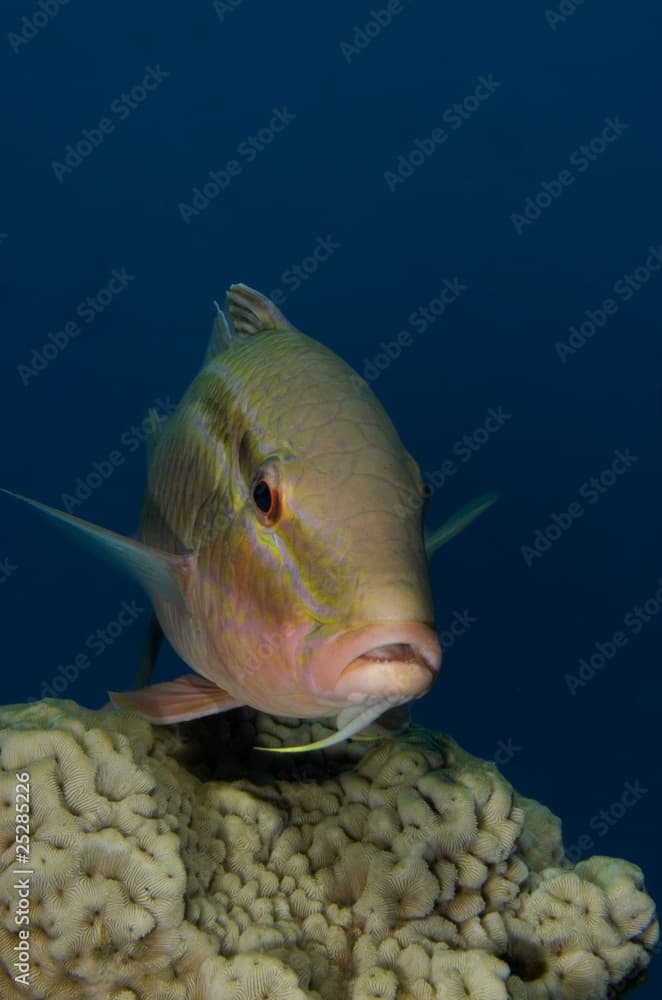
(266, 499)
(262, 496)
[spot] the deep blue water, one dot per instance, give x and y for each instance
(507, 155)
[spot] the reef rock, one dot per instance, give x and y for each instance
(177, 863)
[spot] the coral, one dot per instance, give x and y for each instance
(176, 863)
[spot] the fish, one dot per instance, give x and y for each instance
(281, 564)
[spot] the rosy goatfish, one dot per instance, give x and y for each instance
(281, 561)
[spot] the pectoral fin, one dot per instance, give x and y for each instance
(458, 522)
(188, 697)
(161, 575)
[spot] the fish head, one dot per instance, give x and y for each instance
(329, 591)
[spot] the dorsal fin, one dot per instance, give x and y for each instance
(221, 335)
(252, 312)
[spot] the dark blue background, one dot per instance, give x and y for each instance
(494, 347)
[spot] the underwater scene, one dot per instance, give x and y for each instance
(331, 563)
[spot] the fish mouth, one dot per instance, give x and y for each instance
(391, 661)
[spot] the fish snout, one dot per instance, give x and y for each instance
(394, 661)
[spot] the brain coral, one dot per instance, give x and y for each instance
(178, 864)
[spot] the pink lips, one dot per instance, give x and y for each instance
(385, 660)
